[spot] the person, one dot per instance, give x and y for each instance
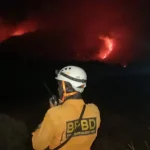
(61, 120)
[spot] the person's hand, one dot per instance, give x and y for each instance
(53, 101)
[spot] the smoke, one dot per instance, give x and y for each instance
(86, 21)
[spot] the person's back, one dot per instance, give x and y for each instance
(66, 117)
(60, 121)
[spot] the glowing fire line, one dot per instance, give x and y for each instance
(108, 48)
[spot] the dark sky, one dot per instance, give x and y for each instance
(19, 10)
(117, 12)
(86, 18)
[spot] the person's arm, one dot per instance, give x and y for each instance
(43, 136)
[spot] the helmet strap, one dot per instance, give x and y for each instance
(64, 92)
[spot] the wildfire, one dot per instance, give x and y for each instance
(108, 47)
(113, 50)
(22, 28)
(18, 32)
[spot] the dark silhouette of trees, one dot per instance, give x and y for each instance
(13, 133)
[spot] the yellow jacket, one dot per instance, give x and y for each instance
(60, 121)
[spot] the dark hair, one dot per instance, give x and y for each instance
(69, 89)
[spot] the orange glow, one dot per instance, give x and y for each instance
(24, 27)
(18, 32)
(108, 47)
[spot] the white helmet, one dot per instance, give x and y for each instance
(76, 76)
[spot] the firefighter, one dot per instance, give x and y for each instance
(60, 121)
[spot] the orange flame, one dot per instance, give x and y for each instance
(18, 32)
(108, 47)
(25, 27)
(7, 31)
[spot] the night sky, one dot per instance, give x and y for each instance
(76, 26)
